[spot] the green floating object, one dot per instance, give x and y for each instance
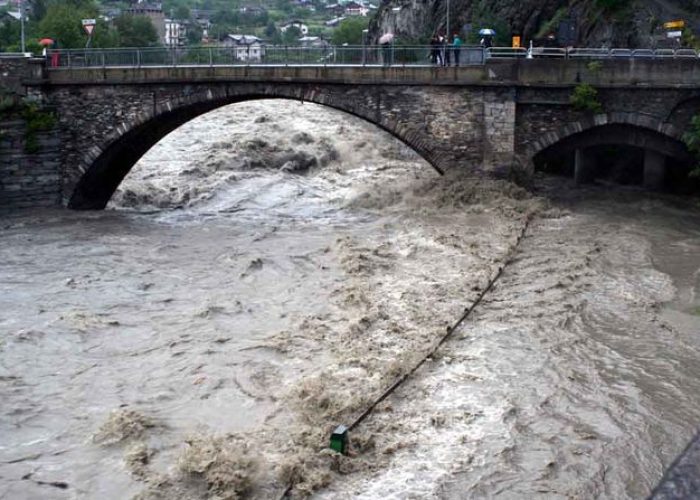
(339, 439)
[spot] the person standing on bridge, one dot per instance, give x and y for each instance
(456, 47)
(386, 42)
(435, 56)
(446, 49)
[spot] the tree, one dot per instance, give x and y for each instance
(9, 35)
(692, 141)
(350, 31)
(194, 34)
(38, 8)
(103, 35)
(182, 13)
(585, 98)
(271, 33)
(291, 36)
(62, 22)
(135, 31)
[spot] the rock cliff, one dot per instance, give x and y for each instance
(611, 23)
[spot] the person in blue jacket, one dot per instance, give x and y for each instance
(456, 47)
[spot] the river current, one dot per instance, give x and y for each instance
(268, 269)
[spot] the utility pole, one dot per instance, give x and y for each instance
(21, 23)
(447, 22)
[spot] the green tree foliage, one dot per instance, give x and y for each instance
(182, 13)
(350, 31)
(291, 36)
(272, 33)
(38, 8)
(585, 98)
(194, 34)
(135, 31)
(9, 36)
(63, 24)
(692, 141)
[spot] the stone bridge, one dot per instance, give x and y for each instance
(497, 119)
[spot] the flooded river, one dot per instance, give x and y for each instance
(267, 270)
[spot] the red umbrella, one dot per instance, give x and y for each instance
(46, 41)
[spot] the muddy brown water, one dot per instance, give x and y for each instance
(201, 336)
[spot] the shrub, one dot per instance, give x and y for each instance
(585, 98)
(37, 120)
(692, 140)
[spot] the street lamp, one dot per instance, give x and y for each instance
(447, 22)
(364, 49)
(395, 10)
(21, 23)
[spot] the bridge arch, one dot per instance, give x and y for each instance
(104, 165)
(631, 120)
(652, 139)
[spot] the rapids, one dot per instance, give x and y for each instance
(266, 270)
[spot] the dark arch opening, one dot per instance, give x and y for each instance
(97, 185)
(622, 154)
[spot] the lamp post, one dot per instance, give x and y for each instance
(21, 23)
(447, 22)
(396, 11)
(364, 49)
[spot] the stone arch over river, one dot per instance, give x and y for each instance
(657, 148)
(106, 165)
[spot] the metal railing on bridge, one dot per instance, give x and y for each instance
(382, 55)
(392, 55)
(586, 53)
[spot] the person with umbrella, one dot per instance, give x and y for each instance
(487, 40)
(385, 41)
(46, 43)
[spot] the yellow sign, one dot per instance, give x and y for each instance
(516, 42)
(675, 25)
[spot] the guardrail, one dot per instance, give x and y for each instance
(371, 55)
(14, 55)
(374, 55)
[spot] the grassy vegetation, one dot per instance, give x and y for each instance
(594, 66)
(35, 118)
(585, 98)
(692, 141)
(37, 121)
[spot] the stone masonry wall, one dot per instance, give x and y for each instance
(447, 125)
(545, 116)
(499, 130)
(28, 179)
(479, 125)
(14, 72)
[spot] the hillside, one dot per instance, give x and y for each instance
(611, 23)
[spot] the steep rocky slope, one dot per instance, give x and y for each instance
(613, 23)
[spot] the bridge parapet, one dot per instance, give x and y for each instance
(626, 73)
(18, 69)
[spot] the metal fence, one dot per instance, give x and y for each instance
(586, 53)
(382, 55)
